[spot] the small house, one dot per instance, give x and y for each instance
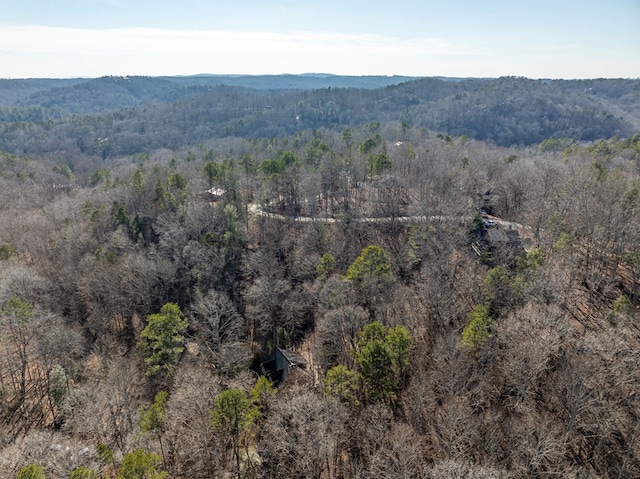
(280, 363)
(213, 194)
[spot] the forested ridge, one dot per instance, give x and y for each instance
(456, 287)
(113, 116)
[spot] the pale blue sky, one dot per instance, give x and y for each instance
(542, 39)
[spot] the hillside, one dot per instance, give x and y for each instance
(443, 306)
(114, 116)
(108, 93)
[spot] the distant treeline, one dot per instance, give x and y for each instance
(114, 116)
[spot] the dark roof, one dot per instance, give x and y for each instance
(497, 235)
(295, 359)
(277, 366)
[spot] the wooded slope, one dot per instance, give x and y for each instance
(112, 116)
(136, 307)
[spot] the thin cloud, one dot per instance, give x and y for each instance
(50, 51)
(37, 51)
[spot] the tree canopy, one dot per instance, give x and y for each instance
(382, 359)
(162, 340)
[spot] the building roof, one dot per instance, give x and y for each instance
(497, 235)
(279, 363)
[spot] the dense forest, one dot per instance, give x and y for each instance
(448, 268)
(114, 116)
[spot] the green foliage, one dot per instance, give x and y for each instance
(271, 168)
(57, 383)
(83, 473)
(6, 251)
(248, 164)
(316, 150)
(563, 241)
(600, 171)
(235, 234)
(373, 127)
(417, 240)
(161, 196)
(400, 343)
(209, 239)
(375, 368)
(16, 311)
(162, 340)
(342, 382)
(65, 171)
(212, 171)
(372, 269)
(141, 158)
(232, 419)
(289, 158)
(105, 454)
(602, 148)
(233, 414)
(529, 260)
(261, 390)
(275, 168)
(445, 138)
(101, 175)
(140, 464)
(554, 144)
(120, 214)
(326, 266)
(138, 181)
(152, 417)
(621, 305)
(178, 182)
(382, 361)
(369, 144)
(347, 136)
(32, 471)
(632, 144)
(374, 331)
(376, 164)
(620, 308)
(486, 256)
(478, 329)
(499, 290)
(477, 223)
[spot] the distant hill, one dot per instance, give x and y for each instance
(140, 114)
(309, 81)
(115, 92)
(14, 91)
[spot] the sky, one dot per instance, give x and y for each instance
(453, 38)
